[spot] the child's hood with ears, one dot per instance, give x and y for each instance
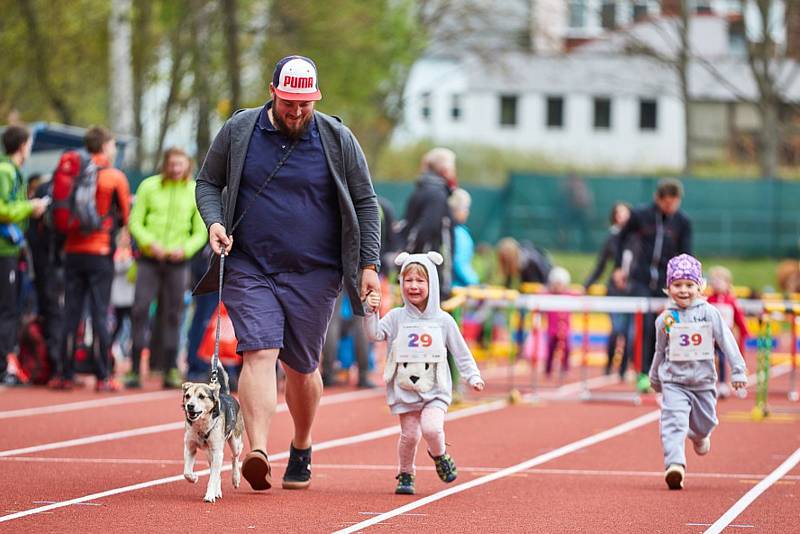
(428, 260)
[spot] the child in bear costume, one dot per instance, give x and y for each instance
(418, 383)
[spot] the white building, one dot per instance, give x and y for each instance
(597, 106)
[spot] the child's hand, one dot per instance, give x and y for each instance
(374, 299)
(478, 384)
(739, 385)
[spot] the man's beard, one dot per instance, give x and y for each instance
(291, 134)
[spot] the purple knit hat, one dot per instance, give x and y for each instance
(684, 267)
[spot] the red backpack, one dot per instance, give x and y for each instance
(74, 193)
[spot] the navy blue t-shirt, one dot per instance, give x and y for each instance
(295, 224)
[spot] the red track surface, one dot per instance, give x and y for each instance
(614, 485)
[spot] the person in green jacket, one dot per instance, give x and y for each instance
(15, 210)
(168, 231)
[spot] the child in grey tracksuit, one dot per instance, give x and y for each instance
(419, 387)
(683, 366)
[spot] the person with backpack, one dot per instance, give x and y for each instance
(91, 202)
(15, 209)
(168, 231)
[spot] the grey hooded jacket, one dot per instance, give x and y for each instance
(218, 187)
(695, 375)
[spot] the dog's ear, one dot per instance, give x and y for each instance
(215, 397)
(186, 386)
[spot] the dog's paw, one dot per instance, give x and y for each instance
(190, 477)
(210, 497)
(237, 478)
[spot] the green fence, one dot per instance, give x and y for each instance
(729, 217)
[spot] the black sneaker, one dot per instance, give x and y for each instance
(445, 467)
(405, 484)
(298, 469)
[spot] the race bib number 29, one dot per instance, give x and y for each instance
(420, 343)
(691, 341)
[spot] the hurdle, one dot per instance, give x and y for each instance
(773, 313)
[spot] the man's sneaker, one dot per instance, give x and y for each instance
(109, 385)
(445, 467)
(703, 446)
(405, 484)
(173, 379)
(674, 476)
(298, 469)
(132, 380)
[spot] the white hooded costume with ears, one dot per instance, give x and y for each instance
(431, 383)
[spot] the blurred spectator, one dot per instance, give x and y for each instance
(558, 327)
(123, 287)
(662, 232)
(169, 231)
(89, 269)
(428, 223)
(620, 336)
(15, 209)
(521, 262)
(721, 282)
(343, 322)
(390, 240)
(46, 246)
(463, 273)
(579, 204)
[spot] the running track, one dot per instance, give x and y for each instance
(82, 462)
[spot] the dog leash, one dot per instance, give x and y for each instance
(215, 356)
(222, 254)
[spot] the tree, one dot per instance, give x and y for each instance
(121, 68)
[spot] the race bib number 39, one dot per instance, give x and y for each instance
(420, 343)
(691, 341)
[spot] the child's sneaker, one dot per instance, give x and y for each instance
(405, 484)
(131, 380)
(674, 476)
(445, 467)
(703, 446)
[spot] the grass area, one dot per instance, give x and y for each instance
(756, 273)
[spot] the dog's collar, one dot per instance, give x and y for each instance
(205, 436)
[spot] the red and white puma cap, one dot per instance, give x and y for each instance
(295, 78)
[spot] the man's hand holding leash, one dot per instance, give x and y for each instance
(219, 239)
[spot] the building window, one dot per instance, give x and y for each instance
(602, 113)
(455, 108)
(648, 114)
(577, 13)
(608, 15)
(425, 107)
(640, 11)
(555, 111)
(508, 110)
(703, 7)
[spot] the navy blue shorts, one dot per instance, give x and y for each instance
(287, 311)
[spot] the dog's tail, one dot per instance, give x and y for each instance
(222, 376)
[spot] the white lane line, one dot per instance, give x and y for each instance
(324, 445)
(393, 467)
(167, 427)
(557, 453)
(748, 498)
(88, 404)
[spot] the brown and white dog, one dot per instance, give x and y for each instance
(212, 418)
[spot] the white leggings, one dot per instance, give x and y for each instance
(428, 422)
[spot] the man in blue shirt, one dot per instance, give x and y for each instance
(292, 243)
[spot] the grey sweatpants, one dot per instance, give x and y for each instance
(685, 413)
